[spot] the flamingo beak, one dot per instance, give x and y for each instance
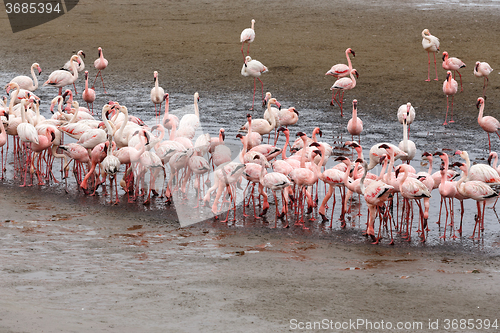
(39, 70)
(83, 54)
(478, 104)
(297, 112)
(223, 136)
(353, 54)
(278, 105)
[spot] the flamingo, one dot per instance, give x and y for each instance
(276, 182)
(480, 172)
(254, 68)
(450, 87)
(447, 189)
(157, 94)
(344, 84)
(262, 126)
(341, 70)
(61, 77)
(453, 64)
(25, 82)
(247, 36)
(190, 122)
(408, 146)
(478, 191)
(111, 166)
(88, 94)
(410, 116)
(355, 125)
(171, 117)
(413, 189)
(100, 64)
(80, 67)
(488, 123)
(430, 44)
(483, 69)
(376, 193)
(3, 141)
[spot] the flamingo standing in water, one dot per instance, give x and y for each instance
(169, 119)
(100, 64)
(453, 64)
(341, 70)
(344, 84)
(247, 36)
(430, 44)
(25, 82)
(157, 94)
(410, 116)
(61, 77)
(254, 68)
(355, 125)
(88, 94)
(80, 67)
(450, 88)
(483, 69)
(488, 123)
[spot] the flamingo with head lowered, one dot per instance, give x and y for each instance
(430, 44)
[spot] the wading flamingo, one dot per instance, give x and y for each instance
(254, 68)
(88, 94)
(341, 70)
(61, 77)
(453, 64)
(25, 82)
(344, 84)
(80, 67)
(410, 116)
(157, 95)
(488, 123)
(430, 44)
(100, 64)
(450, 88)
(355, 125)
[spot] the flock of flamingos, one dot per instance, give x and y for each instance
(120, 143)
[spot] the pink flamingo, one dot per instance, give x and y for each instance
(276, 182)
(355, 125)
(304, 177)
(344, 84)
(447, 189)
(453, 64)
(88, 94)
(483, 69)
(100, 64)
(254, 68)
(430, 44)
(376, 193)
(61, 78)
(25, 82)
(172, 118)
(488, 123)
(247, 36)
(450, 88)
(410, 116)
(97, 155)
(341, 70)
(157, 94)
(80, 67)
(3, 141)
(478, 191)
(111, 166)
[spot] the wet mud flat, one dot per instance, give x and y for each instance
(71, 263)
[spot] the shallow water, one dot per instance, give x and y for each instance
(380, 125)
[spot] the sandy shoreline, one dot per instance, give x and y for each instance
(69, 265)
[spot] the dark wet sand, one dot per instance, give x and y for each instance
(70, 265)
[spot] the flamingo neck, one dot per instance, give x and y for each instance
(349, 64)
(287, 141)
(273, 118)
(354, 115)
(172, 131)
(196, 110)
(303, 157)
(13, 98)
(430, 165)
(480, 115)
(35, 80)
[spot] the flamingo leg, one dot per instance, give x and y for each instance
(452, 98)
(447, 107)
(435, 67)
